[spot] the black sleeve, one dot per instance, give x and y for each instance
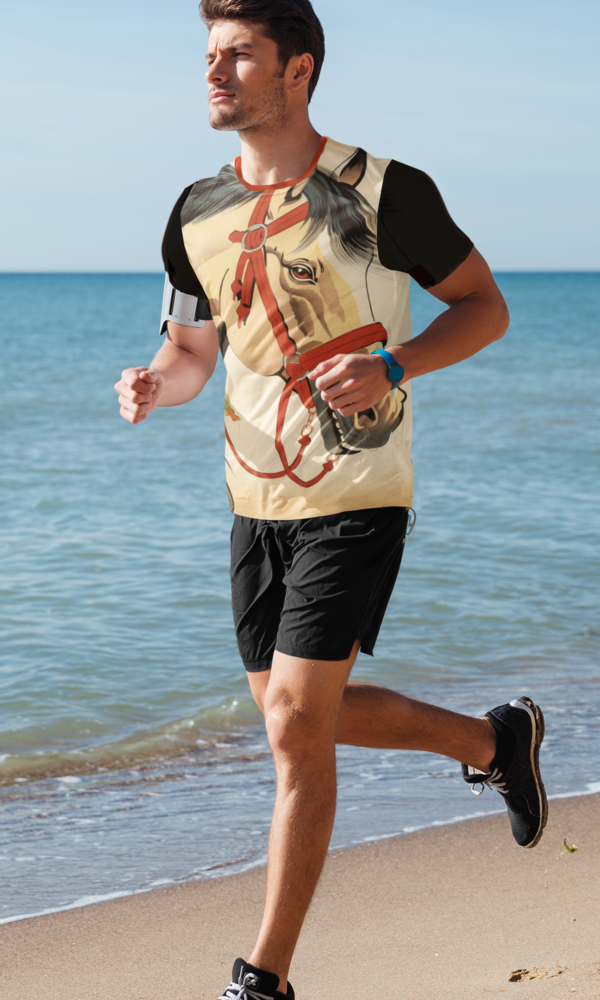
(177, 264)
(415, 233)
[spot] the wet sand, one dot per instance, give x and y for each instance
(444, 913)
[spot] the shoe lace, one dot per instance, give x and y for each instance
(242, 991)
(494, 780)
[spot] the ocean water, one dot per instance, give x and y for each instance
(131, 755)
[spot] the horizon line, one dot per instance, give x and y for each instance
(594, 270)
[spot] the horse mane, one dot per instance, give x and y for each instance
(331, 202)
(346, 213)
(214, 195)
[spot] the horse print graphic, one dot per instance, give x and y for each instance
(286, 269)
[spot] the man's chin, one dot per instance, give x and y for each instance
(222, 126)
(224, 121)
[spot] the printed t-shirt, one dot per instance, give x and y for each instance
(293, 274)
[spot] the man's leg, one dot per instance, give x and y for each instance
(373, 716)
(308, 707)
(301, 703)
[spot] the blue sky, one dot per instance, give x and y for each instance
(105, 121)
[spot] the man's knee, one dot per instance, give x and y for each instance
(296, 729)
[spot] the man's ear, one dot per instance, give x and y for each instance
(353, 169)
(302, 69)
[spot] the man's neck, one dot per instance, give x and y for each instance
(280, 156)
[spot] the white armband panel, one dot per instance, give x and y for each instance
(180, 308)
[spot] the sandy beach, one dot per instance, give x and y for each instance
(449, 912)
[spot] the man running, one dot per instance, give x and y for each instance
(295, 262)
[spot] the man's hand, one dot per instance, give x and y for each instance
(477, 315)
(139, 391)
(352, 382)
(180, 370)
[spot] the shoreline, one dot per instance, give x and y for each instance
(161, 884)
(446, 912)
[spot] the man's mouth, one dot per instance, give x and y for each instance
(217, 96)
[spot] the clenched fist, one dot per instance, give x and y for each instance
(351, 383)
(139, 391)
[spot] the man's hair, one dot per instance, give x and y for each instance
(291, 24)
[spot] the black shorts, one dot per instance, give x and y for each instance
(310, 588)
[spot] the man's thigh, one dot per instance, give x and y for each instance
(306, 682)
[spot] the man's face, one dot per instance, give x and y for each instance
(246, 87)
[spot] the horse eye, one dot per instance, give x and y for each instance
(302, 273)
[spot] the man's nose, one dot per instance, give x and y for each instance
(216, 72)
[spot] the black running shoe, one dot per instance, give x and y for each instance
(515, 770)
(250, 983)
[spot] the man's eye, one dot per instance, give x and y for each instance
(302, 274)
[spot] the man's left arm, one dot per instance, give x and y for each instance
(477, 315)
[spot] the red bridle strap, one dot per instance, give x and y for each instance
(252, 266)
(363, 336)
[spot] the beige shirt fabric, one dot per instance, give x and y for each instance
(320, 274)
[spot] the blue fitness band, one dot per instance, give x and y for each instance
(395, 371)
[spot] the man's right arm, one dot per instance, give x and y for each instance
(178, 373)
